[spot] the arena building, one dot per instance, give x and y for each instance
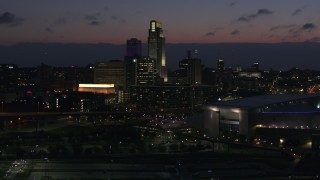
(284, 113)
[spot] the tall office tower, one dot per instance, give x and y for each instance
(145, 71)
(130, 60)
(134, 47)
(130, 63)
(156, 49)
(110, 72)
(8, 77)
(191, 69)
(220, 65)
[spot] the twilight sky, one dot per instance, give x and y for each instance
(184, 21)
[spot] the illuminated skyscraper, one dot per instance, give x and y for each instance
(145, 71)
(156, 49)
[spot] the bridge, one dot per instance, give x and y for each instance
(283, 151)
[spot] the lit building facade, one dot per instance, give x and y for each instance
(156, 48)
(78, 101)
(179, 98)
(110, 72)
(145, 71)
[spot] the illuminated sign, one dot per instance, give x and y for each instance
(96, 85)
(97, 88)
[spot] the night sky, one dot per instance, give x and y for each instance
(184, 21)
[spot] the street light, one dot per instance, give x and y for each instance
(46, 167)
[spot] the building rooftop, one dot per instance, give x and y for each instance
(264, 100)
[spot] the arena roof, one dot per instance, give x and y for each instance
(264, 100)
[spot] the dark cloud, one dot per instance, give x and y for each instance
(114, 17)
(214, 31)
(210, 34)
(250, 17)
(280, 27)
(232, 3)
(60, 21)
(235, 32)
(298, 30)
(264, 11)
(106, 9)
(138, 12)
(314, 39)
(10, 19)
(308, 27)
(296, 12)
(91, 17)
(49, 30)
(94, 23)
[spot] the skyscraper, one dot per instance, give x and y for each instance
(156, 50)
(145, 71)
(131, 59)
(191, 69)
(220, 65)
(134, 47)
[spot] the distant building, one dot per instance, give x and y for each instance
(110, 72)
(209, 76)
(220, 65)
(8, 77)
(255, 66)
(78, 101)
(238, 68)
(130, 61)
(179, 98)
(156, 48)
(145, 71)
(131, 70)
(134, 47)
(45, 76)
(250, 74)
(191, 69)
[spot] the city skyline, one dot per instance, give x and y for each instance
(185, 21)
(105, 27)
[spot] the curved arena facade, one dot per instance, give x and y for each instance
(281, 112)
